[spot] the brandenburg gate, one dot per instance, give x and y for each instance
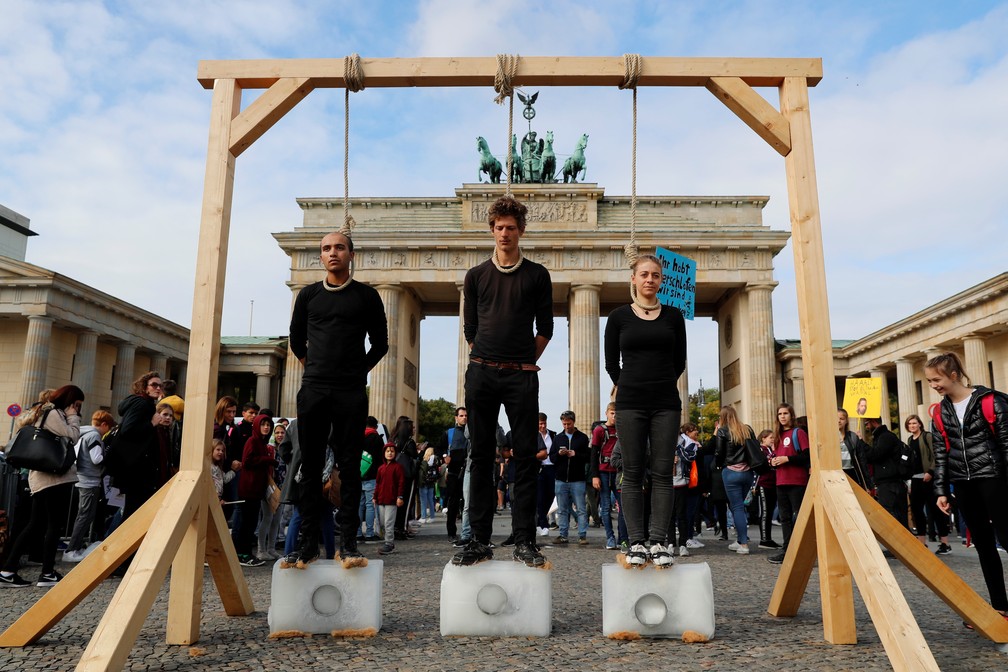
(416, 251)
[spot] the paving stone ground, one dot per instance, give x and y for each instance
(746, 638)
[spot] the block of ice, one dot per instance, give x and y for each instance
(655, 602)
(324, 597)
(496, 598)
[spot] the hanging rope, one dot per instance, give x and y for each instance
(632, 69)
(353, 76)
(507, 68)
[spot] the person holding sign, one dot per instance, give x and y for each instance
(645, 353)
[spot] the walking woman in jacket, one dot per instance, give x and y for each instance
(645, 353)
(730, 452)
(792, 461)
(50, 492)
(922, 494)
(971, 453)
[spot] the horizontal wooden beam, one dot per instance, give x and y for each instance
(532, 71)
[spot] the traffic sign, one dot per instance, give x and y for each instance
(14, 410)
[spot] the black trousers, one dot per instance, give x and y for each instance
(983, 503)
(486, 390)
(546, 491)
(768, 502)
(789, 499)
(923, 498)
(453, 484)
(334, 417)
(892, 495)
(49, 509)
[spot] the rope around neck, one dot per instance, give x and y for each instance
(507, 67)
(353, 77)
(507, 269)
(633, 67)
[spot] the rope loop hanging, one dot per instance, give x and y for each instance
(507, 68)
(353, 77)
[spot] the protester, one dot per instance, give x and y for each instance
(792, 461)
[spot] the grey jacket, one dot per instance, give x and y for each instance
(90, 454)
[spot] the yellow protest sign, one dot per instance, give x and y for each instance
(863, 397)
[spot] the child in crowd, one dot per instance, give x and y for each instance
(766, 486)
(90, 456)
(429, 473)
(390, 486)
(686, 452)
(219, 471)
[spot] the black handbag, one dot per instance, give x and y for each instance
(40, 450)
(757, 458)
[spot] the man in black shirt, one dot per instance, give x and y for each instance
(328, 326)
(506, 297)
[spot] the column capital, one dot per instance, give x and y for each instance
(973, 336)
(589, 286)
(41, 318)
(766, 285)
(389, 287)
(877, 372)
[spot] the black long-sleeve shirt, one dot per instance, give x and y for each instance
(328, 328)
(653, 357)
(500, 309)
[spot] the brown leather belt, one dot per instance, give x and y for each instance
(511, 366)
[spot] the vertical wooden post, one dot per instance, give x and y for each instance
(186, 594)
(817, 349)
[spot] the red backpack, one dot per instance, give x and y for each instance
(986, 407)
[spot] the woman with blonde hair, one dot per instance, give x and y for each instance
(730, 436)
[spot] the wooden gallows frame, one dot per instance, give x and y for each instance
(183, 524)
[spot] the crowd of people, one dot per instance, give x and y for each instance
(642, 473)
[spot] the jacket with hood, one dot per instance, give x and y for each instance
(90, 455)
(257, 460)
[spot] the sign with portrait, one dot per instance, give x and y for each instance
(863, 397)
(678, 281)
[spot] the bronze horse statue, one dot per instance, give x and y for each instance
(575, 164)
(488, 162)
(548, 160)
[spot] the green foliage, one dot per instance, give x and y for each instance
(704, 410)
(435, 417)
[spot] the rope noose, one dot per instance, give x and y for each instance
(507, 68)
(353, 77)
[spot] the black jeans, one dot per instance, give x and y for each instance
(768, 502)
(983, 502)
(486, 390)
(335, 417)
(49, 509)
(453, 484)
(923, 498)
(636, 428)
(789, 499)
(546, 492)
(892, 495)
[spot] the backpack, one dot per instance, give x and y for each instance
(794, 440)
(114, 462)
(986, 407)
(431, 473)
(907, 459)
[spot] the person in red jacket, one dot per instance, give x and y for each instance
(390, 486)
(257, 460)
(792, 460)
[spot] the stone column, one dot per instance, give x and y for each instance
(584, 354)
(84, 367)
(36, 359)
(683, 385)
(384, 384)
(159, 363)
(183, 370)
(293, 370)
(975, 360)
(886, 414)
(122, 380)
(463, 352)
(931, 396)
(797, 393)
(905, 391)
(264, 382)
(762, 396)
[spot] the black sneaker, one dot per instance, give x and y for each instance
(386, 549)
(473, 552)
(461, 543)
(348, 551)
(560, 540)
(529, 553)
(309, 552)
(776, 559)
(768, 543)
(50, 579)
(372, 538)
(943, 549)
(250, 561)
(509, 541)
(13, 581)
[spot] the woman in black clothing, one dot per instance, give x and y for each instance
(645, 353)
(922, 497)
(137, 445)
(406, 455)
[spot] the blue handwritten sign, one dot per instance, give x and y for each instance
(679, 281)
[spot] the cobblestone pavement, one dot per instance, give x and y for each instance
(746, 638)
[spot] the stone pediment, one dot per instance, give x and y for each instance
(12, 268)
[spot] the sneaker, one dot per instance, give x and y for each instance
(308, 552)
(73, 556)
(777, 558)
(509, 541)
(372, 538)
(637, 556)
(943, 549)
(13, 581)
(624, 547)
(461, 543)
(473, 552)
(743, 549)
(554, 526)
(452, 539)
(386, 549)
(50, 579)
(683, 552)
(560, 540)
(347, 551)
(693, 543)
(768, 543)
(529, 553)
(660, 555)
(610, 544)
(543, 531)
(582, 541)
(250, 561)
(734, 546)
(289, 560)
